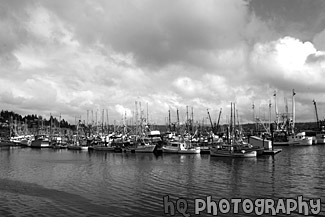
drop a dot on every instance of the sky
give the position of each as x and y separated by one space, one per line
72 56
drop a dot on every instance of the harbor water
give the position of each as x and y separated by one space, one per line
48 182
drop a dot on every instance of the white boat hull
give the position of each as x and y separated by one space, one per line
303 142
196 150
181 149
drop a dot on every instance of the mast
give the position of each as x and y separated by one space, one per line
237 119
136 117
276 111
140 117
192 121
218 120
177 122
87 116
234 125
50 126
254 119
147 114
107 121
96 122
103 122
270 117
293 110
317 120
230 126
210 121
187 119
60 125
169 120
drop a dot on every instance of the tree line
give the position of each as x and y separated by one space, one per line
32 120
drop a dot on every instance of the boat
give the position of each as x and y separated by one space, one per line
300 139
40 141
320 137
144 147
77 145
229 150
24 141
179 147
283 139
171 147
6 143
187 148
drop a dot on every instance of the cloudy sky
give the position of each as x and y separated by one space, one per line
70 56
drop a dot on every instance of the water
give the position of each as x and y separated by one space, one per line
48 182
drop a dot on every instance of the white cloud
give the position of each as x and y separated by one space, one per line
73 56
123 111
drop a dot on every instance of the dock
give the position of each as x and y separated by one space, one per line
272 152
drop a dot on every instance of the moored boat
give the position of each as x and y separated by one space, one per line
40 141
178 147
235 151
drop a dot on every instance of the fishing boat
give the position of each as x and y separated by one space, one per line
22 140
320 136
40 141
171 147
229 150
187 148
178 147
5 143
300 139
144 147
78 144
234 146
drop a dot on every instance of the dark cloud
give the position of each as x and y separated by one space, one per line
77 55
315 58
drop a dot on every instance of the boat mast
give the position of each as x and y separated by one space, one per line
217 128
270 117
293 110
234 124
107 121
136 117
276 111
230 123
210 121
147 115
192 121
169 121
230 130
317 120
187 119
177 122
102 122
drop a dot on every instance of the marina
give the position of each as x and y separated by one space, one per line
162 108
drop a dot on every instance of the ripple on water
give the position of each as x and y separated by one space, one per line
65 183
